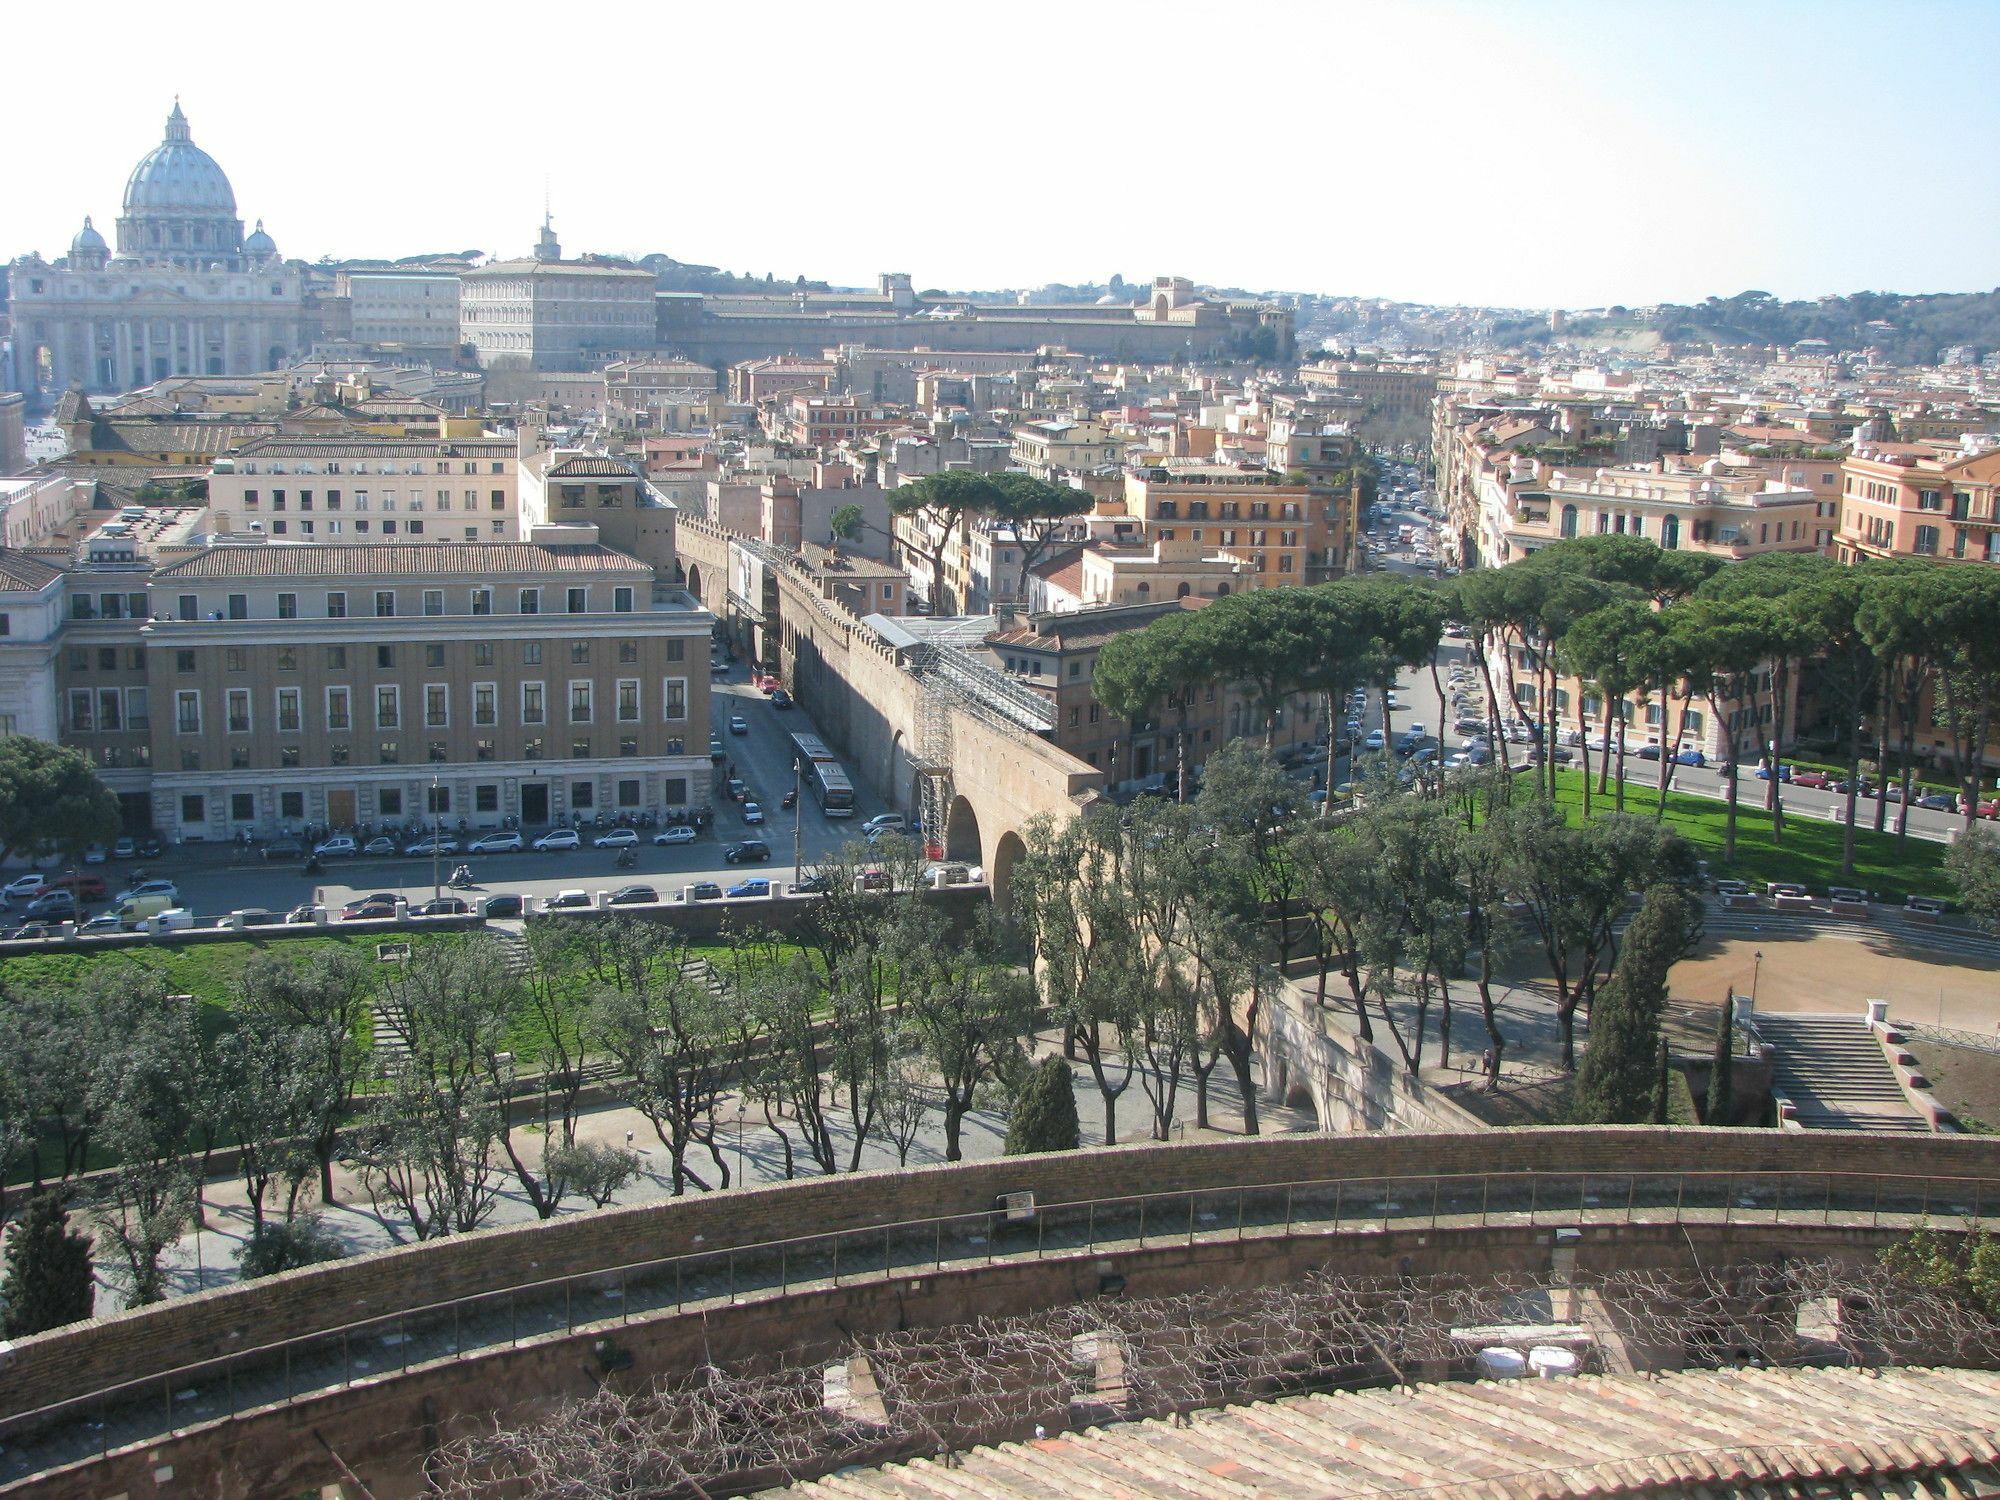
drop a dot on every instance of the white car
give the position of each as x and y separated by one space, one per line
679 834
1374 740
147 888
25 888
95 854
560 838
617 838
495 843
752 813
882 821
340 843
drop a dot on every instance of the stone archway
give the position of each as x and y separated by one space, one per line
1000 877
961 833
694 581
904 788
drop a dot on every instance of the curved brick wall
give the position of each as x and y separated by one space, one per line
70 1362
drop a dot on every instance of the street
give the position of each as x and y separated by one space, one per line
216 880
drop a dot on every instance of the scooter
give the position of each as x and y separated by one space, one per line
627 858
314 867
461 878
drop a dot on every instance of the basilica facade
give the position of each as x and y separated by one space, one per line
185 292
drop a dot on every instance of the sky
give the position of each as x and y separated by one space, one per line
1520 153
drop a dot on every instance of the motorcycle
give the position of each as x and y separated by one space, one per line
627 858
461 878
314 867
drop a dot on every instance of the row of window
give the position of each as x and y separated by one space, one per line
1227 510
437 800
576 601
484 654
466 466
252 500
533 705
390 753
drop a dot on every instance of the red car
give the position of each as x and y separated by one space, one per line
83 887
1817 779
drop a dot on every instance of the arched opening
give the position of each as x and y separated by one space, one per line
694 581
1569 520
1222 591
905 792
1182 592
961 833
1000 879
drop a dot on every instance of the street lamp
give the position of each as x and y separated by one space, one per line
798 822
437 831
1756 968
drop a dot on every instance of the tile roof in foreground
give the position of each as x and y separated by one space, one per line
333 560
1778 1433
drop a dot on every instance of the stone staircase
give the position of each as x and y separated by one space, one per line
1832 1069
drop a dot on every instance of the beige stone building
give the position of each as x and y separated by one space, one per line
353 488
276 684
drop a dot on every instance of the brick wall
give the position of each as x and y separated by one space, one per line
71 1362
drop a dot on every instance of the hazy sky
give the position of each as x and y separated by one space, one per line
1520 152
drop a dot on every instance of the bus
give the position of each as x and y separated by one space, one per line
820 771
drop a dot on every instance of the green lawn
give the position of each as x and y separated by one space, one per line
1809 853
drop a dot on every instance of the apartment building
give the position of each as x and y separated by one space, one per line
259 685
1054 449
808 420
547 313
1922 500
757 380
1252 514
1712 508
353 488
406 307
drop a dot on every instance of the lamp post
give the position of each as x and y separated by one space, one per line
1756 968
798 821
739 1140
437 832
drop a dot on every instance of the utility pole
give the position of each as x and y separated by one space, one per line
798 829
437 832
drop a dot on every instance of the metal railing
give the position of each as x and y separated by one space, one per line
146 1408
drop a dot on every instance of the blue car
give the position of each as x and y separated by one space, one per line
1691 758
756 887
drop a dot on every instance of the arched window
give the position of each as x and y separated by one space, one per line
1182 592
1670 532
1569 520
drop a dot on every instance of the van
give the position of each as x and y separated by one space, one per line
173 919
134 910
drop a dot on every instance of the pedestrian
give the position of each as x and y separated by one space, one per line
1486 1062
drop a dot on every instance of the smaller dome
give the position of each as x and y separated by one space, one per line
88 239
259 243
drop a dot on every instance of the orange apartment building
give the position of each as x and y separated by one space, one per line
1921 500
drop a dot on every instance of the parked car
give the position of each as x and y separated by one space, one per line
715 751
704 890
29 931
83 887
752 813
365 908
883 821
1764 771
173 919
505 904
125 847
567 901
495 843
99 925
95 854
443 906
558 838
1938 801
53 905
1818 780
339 843
746 851
255 916
432 843
781 699
24 887
811 885
756 887
1691 757
1374 741
617 838
738 724
303 914
634 895
146 888
380 846
681 833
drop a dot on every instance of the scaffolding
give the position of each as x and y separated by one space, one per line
949 680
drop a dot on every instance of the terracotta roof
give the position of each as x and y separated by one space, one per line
1778 1433
19 571
589 466
392 559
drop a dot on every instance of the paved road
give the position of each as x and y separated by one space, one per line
214 881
